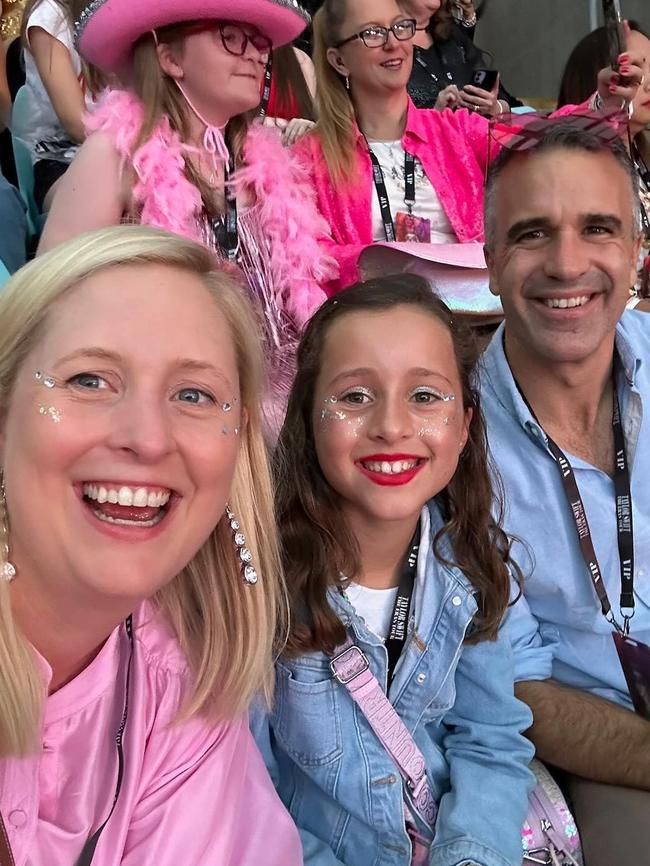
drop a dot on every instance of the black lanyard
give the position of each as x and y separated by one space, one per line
382 194
423 63
402 607
623 520
224 228
88 852
262 111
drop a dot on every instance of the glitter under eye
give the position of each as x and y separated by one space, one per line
51 412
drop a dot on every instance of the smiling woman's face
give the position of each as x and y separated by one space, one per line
121 437
379 69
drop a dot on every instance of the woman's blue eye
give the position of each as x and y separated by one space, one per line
194 396
91 381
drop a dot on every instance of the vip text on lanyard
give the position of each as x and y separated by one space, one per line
382 194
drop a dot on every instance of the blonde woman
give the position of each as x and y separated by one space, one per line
139 583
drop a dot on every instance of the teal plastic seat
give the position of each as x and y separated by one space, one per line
4 274
24 164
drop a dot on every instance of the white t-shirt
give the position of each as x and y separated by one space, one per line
376 605
390 155
40 122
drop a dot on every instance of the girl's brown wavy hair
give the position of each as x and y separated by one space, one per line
317 545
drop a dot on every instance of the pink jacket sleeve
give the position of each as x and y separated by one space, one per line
207 799
335 211
475 128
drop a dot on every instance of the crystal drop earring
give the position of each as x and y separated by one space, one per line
249 573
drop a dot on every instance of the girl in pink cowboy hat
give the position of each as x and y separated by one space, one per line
178 148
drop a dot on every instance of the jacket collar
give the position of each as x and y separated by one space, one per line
415 127
495 374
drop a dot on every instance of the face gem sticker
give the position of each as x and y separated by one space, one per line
50 412
47 381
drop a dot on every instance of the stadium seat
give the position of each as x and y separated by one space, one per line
24 164
4 274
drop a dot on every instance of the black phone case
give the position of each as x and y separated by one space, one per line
488 78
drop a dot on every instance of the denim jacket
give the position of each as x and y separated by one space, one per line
339 783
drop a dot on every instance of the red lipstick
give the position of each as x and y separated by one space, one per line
385 479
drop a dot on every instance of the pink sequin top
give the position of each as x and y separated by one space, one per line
193 793
452 147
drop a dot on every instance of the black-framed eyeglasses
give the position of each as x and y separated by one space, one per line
377 36
234 38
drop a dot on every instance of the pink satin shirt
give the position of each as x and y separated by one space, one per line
195 793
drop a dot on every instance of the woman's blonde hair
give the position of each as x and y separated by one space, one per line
336 124
225 627
161 97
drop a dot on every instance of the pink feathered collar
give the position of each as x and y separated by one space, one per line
284 202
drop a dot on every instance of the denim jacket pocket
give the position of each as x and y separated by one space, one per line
307 720
441 702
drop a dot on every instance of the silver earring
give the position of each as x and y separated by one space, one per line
245 556
7 569
347 82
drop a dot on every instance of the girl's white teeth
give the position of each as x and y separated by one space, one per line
387 468
563 303
137 497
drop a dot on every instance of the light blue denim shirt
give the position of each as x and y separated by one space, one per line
339 783
558 629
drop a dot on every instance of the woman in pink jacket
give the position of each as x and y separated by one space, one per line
363 52
139 584
383 169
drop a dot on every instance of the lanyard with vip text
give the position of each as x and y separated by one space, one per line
623 522
382 194
402 607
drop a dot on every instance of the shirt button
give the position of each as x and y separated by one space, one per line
641 572
421 678
17 818
456 601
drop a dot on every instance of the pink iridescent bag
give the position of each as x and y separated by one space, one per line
549 835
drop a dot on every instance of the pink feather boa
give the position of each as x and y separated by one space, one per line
284 201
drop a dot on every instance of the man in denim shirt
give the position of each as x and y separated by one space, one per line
562 242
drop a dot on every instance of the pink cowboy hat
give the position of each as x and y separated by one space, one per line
107 29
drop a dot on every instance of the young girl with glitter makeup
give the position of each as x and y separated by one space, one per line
399 579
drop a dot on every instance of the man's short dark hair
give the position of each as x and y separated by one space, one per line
561 134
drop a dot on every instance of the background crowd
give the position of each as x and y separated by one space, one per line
324 523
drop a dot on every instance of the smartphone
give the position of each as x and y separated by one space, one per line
615 31
485 78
